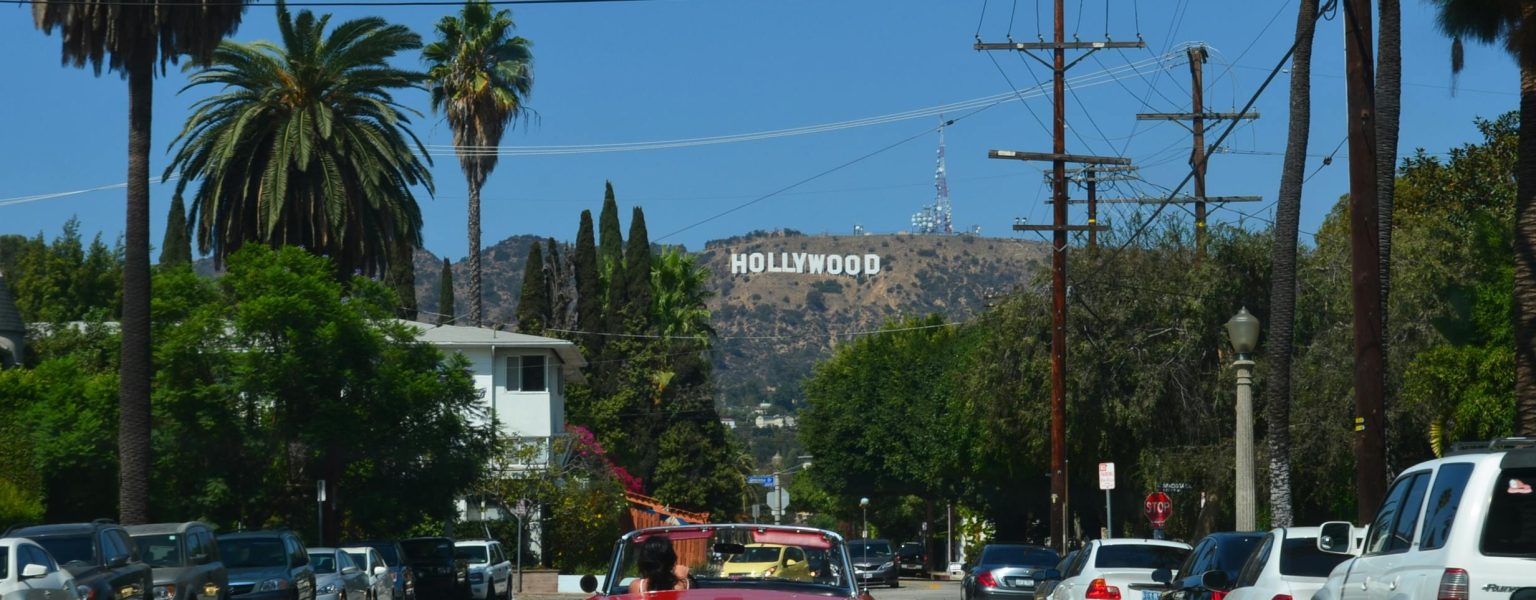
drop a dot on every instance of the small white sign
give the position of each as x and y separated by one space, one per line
1107 476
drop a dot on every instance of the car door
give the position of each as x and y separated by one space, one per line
1388 540
1071 582
51 586
503 569
117 556
1248 577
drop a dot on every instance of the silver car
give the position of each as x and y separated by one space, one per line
381 581
336 576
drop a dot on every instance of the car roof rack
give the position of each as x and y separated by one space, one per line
1494 445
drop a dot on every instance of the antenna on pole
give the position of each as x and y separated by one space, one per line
946 219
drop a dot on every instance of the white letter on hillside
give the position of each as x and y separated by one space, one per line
738 263
817 260
851 264
799 262
835 264
755 262
871 264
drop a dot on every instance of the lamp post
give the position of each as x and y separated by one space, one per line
1243 332
864 506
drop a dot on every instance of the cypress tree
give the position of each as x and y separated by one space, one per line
589 289
610 249
637 270
176 249
533 301
554 278
402 277
445 296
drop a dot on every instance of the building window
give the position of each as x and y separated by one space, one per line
525 373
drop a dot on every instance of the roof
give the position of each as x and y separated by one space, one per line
162 528
459 336
10 317
53 530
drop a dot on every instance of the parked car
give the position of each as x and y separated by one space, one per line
267 565
381 583
914 559
400 573
440 574
1287 566
767 560
1115 568
703 550
28 572
99 555
1043 587
336 576
1209 570
1006 571
490 571
184 560
874 561
1460 527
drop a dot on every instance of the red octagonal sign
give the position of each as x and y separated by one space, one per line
1158 508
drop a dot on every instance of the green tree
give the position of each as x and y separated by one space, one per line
637 274
133 39
533 302
62 279
446 312
558 278
401 277
480 77
304 145
610 260
589 289
680 308
176 249
1509 23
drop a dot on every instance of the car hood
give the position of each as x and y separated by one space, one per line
324 579
168 574
870 559
257 574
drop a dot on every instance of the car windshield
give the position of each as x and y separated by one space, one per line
68 550
857 549
758 557
1510 529
252 552
1019 555
5 562
325 562
428 549
1139 556
1300 557
358 558
160 550
911 549
476 555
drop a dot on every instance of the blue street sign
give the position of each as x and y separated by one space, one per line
767 481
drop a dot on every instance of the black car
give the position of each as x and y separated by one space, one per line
1211 566
914 559
1006 571
874 561
440 574
394 556
185 560
267 565
103 560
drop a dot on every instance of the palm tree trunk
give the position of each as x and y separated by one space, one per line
1282 291
1525 240
1389 91
476 302
133 383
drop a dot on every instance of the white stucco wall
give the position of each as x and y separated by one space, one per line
520 414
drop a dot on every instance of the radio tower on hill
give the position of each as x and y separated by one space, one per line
937 218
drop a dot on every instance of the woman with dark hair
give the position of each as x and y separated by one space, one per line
658 567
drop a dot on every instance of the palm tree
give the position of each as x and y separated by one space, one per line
481 76
679 296
131 37
304 145
1508 22
1282 292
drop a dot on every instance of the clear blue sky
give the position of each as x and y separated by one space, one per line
673 69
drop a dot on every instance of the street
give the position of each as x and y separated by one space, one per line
919 589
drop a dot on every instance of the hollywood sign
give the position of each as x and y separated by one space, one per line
800 262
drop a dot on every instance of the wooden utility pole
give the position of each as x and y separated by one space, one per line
1365 262
1089 177
1197 117
1059 228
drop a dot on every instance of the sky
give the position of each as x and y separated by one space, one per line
668 70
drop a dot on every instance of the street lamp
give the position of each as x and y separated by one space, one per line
864 506
1243 332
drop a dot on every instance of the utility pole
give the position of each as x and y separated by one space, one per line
1089 177
1365 262
1197 117
1059 228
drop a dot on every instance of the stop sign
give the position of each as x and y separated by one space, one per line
1158 508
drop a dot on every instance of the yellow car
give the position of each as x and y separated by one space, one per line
768 560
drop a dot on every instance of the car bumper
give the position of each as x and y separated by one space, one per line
270 595
438 587
880 575
986 593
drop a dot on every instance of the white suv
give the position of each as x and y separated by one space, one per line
1462 527
1115 569
490 573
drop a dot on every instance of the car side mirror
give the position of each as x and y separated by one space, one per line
1335 537
1043 575
1215 580
1163 576
791 562
199 559
33 571
380 570
117 561
350 570
588 583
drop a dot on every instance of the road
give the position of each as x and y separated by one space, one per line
918 589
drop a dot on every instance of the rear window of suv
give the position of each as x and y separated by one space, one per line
1300 557
1511 526
1139 556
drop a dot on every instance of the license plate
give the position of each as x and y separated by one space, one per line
1148 595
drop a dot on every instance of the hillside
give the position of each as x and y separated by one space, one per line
774 326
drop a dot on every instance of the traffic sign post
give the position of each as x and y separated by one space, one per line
767 481
1107 483
1158 509
777 500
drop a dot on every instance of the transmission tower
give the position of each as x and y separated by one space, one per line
946 221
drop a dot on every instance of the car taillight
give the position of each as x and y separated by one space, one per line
985 579
1218 595
1281 597
1098 590
1454 584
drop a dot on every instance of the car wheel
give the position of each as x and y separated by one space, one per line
490 587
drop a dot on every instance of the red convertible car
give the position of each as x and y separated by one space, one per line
736 561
